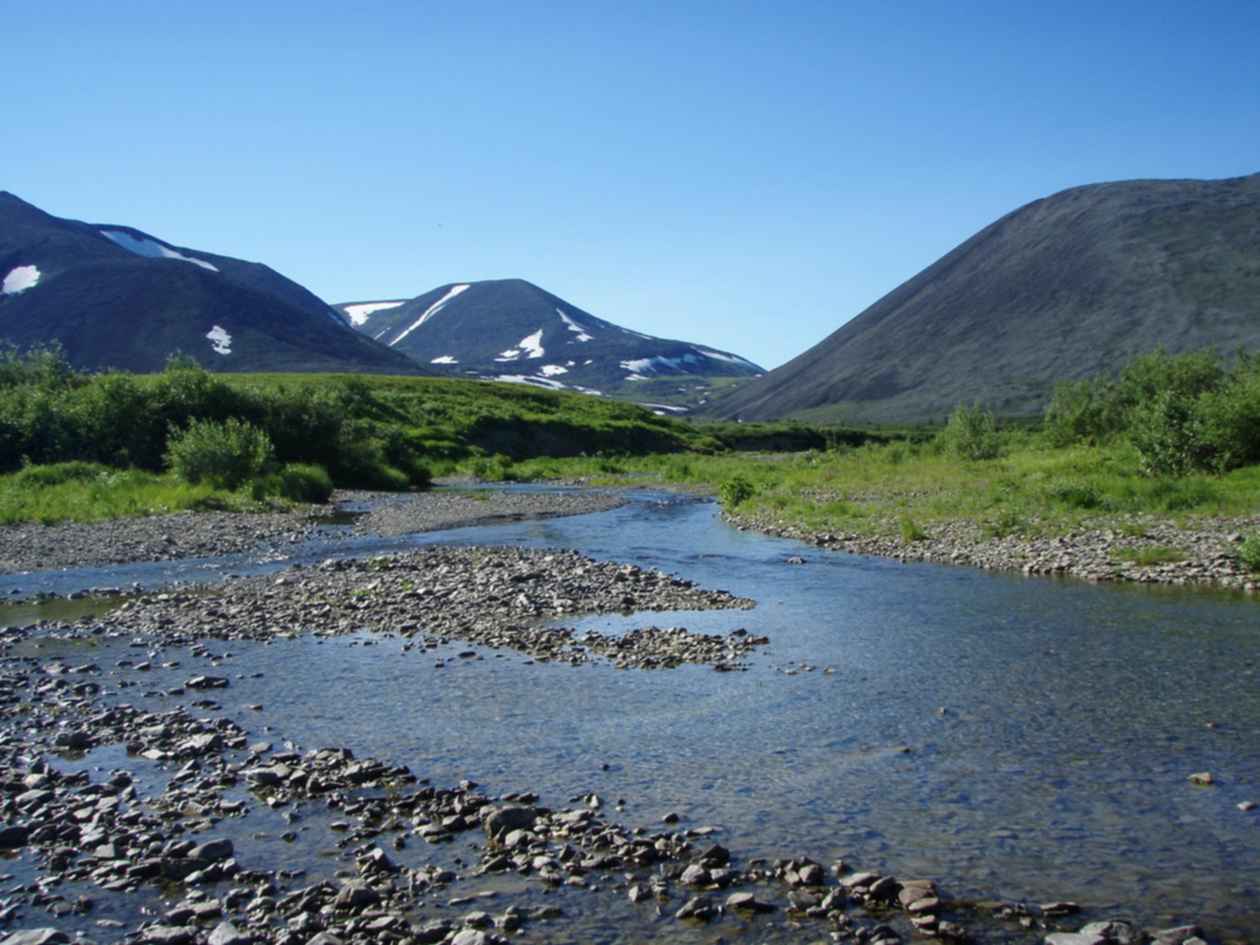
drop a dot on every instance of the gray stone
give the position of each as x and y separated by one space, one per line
225 933
12 838
213 851
168 935
1115 930
1074 938
499 821
37 937
1177 935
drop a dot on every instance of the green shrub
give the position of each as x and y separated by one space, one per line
305 482
1169 435
496 468
1076 495
910 532
1149 555
226 455
58 473
971 434
735 491
1249 552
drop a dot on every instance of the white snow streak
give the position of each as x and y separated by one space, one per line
659 408
658 363
530 346
358 314
573 326
430 312
445 359
20 279
721 357
220 340
143 246
535 381
551 370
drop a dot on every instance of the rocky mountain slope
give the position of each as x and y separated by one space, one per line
114 296
1067 286
511 330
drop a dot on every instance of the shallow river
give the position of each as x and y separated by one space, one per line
1050 726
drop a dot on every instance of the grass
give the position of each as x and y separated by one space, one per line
1030 490
103 494
1150 555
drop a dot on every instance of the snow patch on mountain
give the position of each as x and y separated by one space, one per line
719 356
20 279
658 363
445 359
358 314
431 311
530 346
574 327
220 340
551 370
143 246
529 379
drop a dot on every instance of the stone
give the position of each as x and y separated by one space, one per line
1177 935
747 902
207 682
44 936
13 838
1243 806
695 875
499 821
356 896
1074 938
225 933
168 935
212 851
1202 778
1115 930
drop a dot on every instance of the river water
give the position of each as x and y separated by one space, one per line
1009 737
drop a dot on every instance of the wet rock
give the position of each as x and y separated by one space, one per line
747 902
1176 935
698 907
225 933
14 837
1202 778
1117 931
168 935
45 936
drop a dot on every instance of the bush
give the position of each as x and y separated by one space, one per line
305 482
1249 552
1170 436
226 455
735 491
59 473
909 530
971 434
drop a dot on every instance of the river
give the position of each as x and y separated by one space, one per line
1009 737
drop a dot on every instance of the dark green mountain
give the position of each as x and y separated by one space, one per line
510 329
1068 286
116 297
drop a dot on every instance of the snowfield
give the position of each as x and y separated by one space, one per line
20 279
530 346
573 327
431 311
445 359
143 246
551 370
220 340
358 314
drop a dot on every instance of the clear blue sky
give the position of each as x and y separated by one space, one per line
749 175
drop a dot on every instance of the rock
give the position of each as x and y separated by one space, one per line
1115 930
324 938
212 851
207 682
695 875
168 935
698 907
225 933
356 896
472 937
1203 778
1074 938
44 936
747 902
1059 908
1243 806
1177 935
499 821
13 838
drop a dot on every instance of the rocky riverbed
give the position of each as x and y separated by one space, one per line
499 598
1206 551
157 847
35 547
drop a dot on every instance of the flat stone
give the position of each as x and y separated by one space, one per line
225 933
1177 935
12 838
44 936
168 935
1202 778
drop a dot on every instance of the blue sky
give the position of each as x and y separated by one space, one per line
747 175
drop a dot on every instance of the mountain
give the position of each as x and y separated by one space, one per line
1068 286
114 296
511 330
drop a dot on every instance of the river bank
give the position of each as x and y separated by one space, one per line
34 547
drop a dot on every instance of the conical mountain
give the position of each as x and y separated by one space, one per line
510 329
1068 286
114 296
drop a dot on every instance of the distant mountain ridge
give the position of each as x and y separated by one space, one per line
114 296
510 329
1067 286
